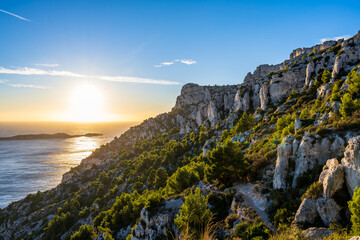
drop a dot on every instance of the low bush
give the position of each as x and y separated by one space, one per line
314 191
252 230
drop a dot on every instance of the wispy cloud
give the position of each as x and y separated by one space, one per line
20 85
14 15
56 73
185 61
36 71
27 86
335 38
49 65
165 64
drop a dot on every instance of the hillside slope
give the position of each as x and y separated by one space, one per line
280 149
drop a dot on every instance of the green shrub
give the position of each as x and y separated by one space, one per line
353 80
153 201
252 230
283 122
285 125
245 123
194 214
325 77
160 178
305 113
226 164
348 105
354 207
202 135
293 94
86 232
335 95
58 225
185 177
282 216
314 191
270 74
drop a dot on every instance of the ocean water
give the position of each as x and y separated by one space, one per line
28 166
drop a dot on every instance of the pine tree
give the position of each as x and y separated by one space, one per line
353 80
354 207
160 178
194 215
348 105
325 77
226 164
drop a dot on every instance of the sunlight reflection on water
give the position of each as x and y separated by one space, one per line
28 166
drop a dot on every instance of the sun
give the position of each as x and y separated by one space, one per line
86 104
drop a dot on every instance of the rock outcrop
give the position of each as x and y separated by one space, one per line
311 151
351 163
316 233
332 177
263 93
328 210
285 154
156 226
306 213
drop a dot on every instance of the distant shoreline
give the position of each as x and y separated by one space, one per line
48 136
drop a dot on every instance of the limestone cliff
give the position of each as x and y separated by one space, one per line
280 163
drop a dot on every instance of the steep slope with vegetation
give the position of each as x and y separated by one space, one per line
254 160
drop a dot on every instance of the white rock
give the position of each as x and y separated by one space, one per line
332 177
351 163
285 152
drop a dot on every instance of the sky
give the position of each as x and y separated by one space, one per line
119 60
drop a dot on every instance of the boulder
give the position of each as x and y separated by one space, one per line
306 213
351 163
328 210
332 177
316 233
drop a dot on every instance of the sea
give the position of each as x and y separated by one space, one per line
28 166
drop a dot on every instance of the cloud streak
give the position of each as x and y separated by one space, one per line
27 86
14 15
335 38
49 65
20 85
55 73
184 61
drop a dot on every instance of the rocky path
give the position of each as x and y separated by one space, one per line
254 200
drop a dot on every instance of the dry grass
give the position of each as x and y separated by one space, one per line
288 233
208 233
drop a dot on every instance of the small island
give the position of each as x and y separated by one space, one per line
48 136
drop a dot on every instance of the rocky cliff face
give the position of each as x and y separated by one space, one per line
278 165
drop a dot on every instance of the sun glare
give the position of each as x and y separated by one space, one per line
86 104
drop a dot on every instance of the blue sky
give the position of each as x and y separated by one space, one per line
104 42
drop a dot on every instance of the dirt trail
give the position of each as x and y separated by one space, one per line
256 201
